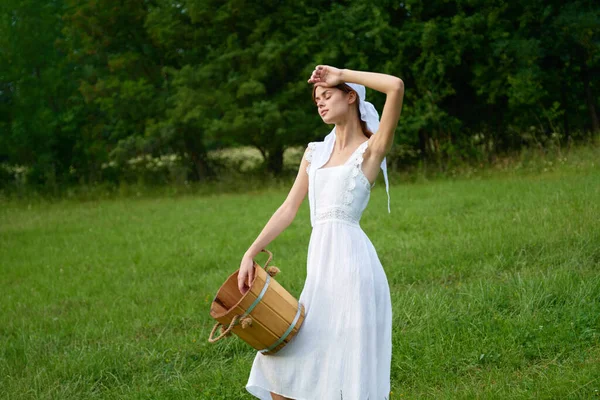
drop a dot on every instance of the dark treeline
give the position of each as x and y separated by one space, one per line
86 84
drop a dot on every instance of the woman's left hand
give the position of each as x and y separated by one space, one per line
325 75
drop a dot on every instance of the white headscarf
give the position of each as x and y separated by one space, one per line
369 114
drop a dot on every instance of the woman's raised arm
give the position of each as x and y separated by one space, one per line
393 87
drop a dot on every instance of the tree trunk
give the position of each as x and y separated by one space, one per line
275 160
201 168
198 155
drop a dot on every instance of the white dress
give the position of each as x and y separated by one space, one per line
343 348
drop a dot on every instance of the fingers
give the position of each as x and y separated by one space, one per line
314 78
241 281
245 279
317 74
250 277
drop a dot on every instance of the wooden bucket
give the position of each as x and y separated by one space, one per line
267 316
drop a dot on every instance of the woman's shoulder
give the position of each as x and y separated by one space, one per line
316 144
311 149
312 146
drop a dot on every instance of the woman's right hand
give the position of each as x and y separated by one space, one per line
326 75
246 274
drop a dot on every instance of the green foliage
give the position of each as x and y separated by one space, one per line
88 82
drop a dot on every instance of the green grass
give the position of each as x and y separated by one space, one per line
495 286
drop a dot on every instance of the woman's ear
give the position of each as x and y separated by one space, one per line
351 97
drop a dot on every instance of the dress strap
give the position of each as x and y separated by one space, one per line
358 159
309 154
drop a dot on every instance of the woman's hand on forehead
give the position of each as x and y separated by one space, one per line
325 75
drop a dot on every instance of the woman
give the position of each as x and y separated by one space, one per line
344 346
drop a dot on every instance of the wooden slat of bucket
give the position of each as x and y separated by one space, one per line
216 308
252 339
226 319
285 296
277 323
258 335
281 303
230 296
290 337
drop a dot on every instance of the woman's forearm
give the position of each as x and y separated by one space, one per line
381 82
280 220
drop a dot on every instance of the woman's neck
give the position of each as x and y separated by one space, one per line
348 134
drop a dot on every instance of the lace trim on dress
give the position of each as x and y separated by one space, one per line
309 154
351 179
336 213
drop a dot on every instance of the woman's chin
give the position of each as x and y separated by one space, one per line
327 120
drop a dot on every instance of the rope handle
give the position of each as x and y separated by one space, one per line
270 257
272 270
245 322
223 333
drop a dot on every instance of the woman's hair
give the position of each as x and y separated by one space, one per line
347 89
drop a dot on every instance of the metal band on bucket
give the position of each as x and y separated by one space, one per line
286 333
258 299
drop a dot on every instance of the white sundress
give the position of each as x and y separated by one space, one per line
343 348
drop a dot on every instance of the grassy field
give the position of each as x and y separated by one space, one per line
495 284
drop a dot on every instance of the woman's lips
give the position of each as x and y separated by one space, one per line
324 112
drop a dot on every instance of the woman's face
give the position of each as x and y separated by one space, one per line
332 103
